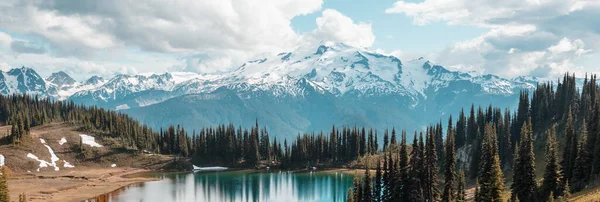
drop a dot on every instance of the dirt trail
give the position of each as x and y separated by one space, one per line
76 185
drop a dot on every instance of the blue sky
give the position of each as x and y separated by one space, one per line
393 32
509 38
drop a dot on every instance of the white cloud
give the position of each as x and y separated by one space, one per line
5 40
102 37
89 33
536 37
334 26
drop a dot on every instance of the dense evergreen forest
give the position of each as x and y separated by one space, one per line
557 118
483 145
222 145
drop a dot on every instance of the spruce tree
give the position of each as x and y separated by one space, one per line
566 193
449 166
367 194
403 182
460 193
4 194
357 188
385 140
569 150
377 187
431 169
350 196
552 174
416 191
582 162
491 179
393 138
461 129
524 184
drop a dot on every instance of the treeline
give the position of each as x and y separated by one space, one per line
221 145
227 145
499 140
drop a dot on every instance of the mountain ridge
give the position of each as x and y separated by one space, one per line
316 87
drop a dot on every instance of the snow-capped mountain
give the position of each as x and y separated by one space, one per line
310 88
22 80
60 79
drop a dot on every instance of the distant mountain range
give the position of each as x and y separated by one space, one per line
308 89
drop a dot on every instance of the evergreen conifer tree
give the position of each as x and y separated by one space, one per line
491 179
552 174
524 184
449 166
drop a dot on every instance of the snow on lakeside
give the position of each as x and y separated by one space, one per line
89 140
62 141
1 160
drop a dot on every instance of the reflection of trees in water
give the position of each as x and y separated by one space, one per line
239 186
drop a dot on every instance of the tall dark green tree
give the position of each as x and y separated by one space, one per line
403 183
461 187
416 169
582 162
430 189
461 129
570 148
552 174
367 193
4 194
449 166
377 187
524 185
491 178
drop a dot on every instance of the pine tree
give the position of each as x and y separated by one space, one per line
416 191
461 129
582 162
367 195
569 151
471 126
431 169
566 194
385 140
4 194
377 187
403 183
449 166
524 184
491 179
552 174
460 193
393 138
350 196
357 188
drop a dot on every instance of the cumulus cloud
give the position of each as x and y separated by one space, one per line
531 37
5 40
21 46
158 25
201 36
334 26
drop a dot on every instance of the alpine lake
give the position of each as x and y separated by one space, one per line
242 186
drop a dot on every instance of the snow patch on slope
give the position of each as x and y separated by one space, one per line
62 141
89 140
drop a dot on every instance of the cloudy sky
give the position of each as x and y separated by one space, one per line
508 38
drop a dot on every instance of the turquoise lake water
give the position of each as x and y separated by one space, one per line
239 186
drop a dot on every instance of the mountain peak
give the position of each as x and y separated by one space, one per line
61 79
94 80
